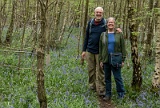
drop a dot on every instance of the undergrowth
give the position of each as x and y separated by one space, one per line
66 82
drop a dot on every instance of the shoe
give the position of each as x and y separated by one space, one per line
107 98
121 97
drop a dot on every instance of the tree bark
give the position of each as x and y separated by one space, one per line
148 41
133 26
41 55
84 26
11 26
156 75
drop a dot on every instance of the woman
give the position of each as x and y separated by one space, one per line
112 41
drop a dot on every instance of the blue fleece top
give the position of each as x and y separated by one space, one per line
91 42
111 41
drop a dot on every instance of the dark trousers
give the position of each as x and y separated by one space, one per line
117 77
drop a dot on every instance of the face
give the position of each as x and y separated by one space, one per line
111 24
98 14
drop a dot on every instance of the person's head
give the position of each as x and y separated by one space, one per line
111 23
98 12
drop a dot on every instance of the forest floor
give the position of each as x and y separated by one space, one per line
104 104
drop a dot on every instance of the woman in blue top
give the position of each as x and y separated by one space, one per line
112 42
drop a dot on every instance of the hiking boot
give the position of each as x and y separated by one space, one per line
121 97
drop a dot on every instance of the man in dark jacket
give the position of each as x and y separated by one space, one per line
91 51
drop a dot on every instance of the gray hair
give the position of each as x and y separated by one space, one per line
111 18
98 8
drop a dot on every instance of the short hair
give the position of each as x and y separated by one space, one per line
97 8
111 18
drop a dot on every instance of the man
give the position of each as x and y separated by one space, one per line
91 50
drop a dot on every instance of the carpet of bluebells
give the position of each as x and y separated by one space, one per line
66 82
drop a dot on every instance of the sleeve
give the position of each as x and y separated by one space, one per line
123 47
100 49
86 38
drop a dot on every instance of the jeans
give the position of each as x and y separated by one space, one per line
117 77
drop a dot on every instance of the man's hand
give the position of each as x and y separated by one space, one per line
101 65
122 64
83 55
119 30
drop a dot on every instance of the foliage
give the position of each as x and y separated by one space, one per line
143 99
65 80
66 83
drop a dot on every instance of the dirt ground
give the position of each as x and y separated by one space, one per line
104 104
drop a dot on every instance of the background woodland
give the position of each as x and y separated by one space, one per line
40 48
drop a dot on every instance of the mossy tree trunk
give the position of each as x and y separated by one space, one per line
41 55
0 29
84 26
149 23
85 20
11 26
156 75
133 26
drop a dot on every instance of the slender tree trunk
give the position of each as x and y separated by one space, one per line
133 26
84 26
81 26
11 26
85 19
156 75
0 28
41 54
25 19
149 23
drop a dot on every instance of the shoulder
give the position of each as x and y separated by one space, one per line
91 20
103 34
118 34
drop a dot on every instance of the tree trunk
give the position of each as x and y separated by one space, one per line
133 26
85 19
156 75
41 54
84 26
148 49
0 29
11 26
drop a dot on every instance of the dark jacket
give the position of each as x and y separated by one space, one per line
118 47
91 42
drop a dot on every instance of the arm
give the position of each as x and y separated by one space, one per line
100 52
100 48
123 49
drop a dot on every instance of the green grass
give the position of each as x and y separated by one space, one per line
66 83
